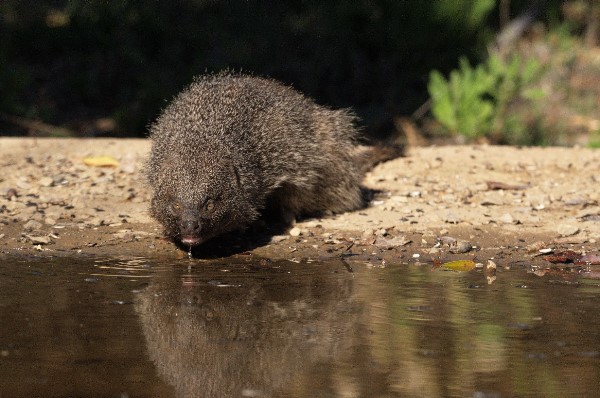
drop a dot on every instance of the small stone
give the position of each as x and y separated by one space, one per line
490 202
447 240
490 265
59 179
460 246
399 199
10 193
381 232
537 201
128 163
23 185
32 225
490 272
295 232
39 240
279 238
125 235
536 246
96 222
452 218
393 242
312 224
589 214
506 218
576 201
567 229
368 233
46 181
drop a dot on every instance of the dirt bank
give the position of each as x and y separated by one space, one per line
499 199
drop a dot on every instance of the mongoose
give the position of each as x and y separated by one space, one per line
232 146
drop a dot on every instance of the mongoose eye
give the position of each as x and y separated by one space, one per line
210 205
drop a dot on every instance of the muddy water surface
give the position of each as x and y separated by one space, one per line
144 328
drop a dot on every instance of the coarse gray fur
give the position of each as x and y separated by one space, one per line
229 146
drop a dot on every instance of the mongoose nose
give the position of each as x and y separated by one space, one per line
190 227
190 232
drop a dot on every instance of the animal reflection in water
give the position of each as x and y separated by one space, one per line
258 337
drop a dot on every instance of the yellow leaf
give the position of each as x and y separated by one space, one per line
101 161
460 265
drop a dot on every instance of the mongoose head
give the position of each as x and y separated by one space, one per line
196 201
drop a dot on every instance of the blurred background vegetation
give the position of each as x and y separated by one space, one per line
500 71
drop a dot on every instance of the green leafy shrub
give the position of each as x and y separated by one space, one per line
474 101
594 141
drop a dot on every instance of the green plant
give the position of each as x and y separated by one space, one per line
594 140
460 103
474 101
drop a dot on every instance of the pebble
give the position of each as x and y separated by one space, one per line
393 242
32 225
23 185
46 181
59 179
125 235
447 240
279 238
128 163
492 201
10 193
506 218
295 232
399 199
567 229
381 232
452 218
490 272
312 224
460 246
536 246
39 240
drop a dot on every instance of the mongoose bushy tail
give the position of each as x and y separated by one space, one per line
230 145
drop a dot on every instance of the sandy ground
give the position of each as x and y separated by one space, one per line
455 202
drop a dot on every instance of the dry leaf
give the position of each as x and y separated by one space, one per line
101 161
459 265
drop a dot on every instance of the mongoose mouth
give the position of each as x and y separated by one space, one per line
191 240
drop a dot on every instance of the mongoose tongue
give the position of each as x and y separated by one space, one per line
191 240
